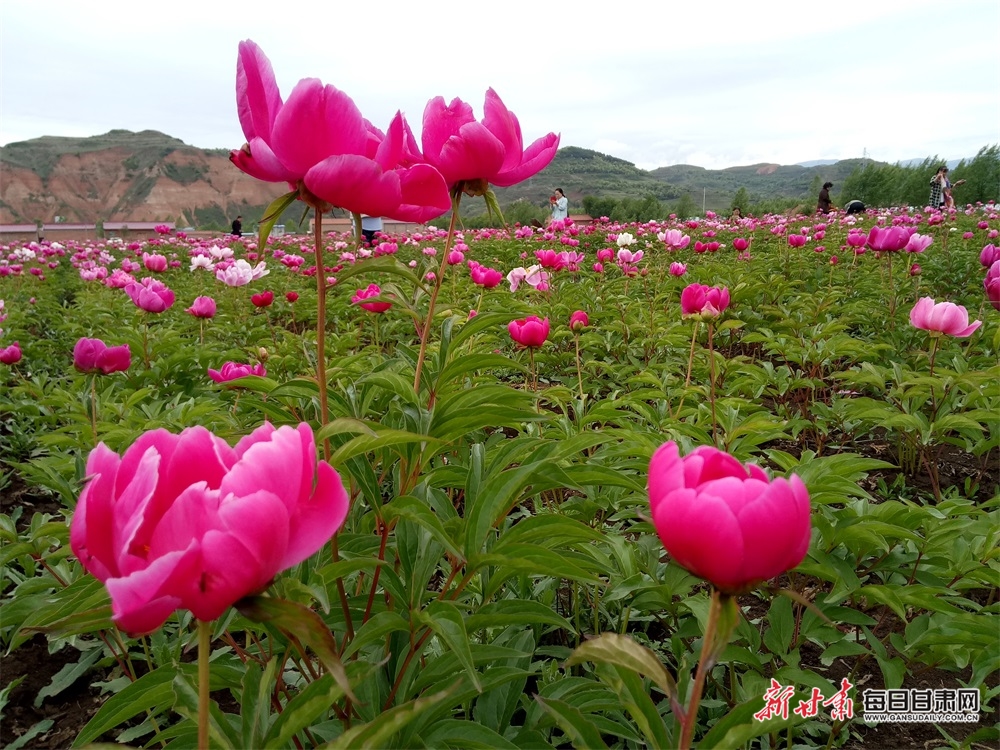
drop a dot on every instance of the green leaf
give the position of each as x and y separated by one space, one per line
375 630
465 734
385 264
640 706
304 624
40 728
255 702
778 637
574 724
153 692
739 726
219 726
515 612
413 509
303 710
68 675
447 622
271 215
621 651
376 733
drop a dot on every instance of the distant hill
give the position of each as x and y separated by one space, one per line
150 176
125 176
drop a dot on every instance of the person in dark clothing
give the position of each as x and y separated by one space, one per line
824 204
854 207
238 226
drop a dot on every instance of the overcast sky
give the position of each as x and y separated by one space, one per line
715 84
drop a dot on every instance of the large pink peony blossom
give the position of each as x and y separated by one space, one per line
476 154
188 522
725 522
320 144
942 318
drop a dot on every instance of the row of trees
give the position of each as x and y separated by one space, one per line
876 184
882 185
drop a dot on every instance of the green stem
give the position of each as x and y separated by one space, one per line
324 409
687 380
711 385
204 651
93 407
579 372
456 198
704 663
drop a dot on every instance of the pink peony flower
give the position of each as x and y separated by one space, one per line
530 332
989 255
481 154
203 307
578 321
264 299
992 284
291 296
918 243
942 318
888 239
725 522
235 371
319 142
93 355
154 262
11 355
675 239
487 278
678 269
373 290
188 522
150 295
241 273
701 301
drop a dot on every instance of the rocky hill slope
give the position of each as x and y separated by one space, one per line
124 176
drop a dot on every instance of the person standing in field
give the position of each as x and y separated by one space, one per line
238 226
824 204
560 205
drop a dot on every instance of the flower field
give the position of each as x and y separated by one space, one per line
519 522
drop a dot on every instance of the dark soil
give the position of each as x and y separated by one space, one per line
69 711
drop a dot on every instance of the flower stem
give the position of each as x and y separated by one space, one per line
324 410
579 372
687 380
456 198
711 385
704 664
93 407
204 651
